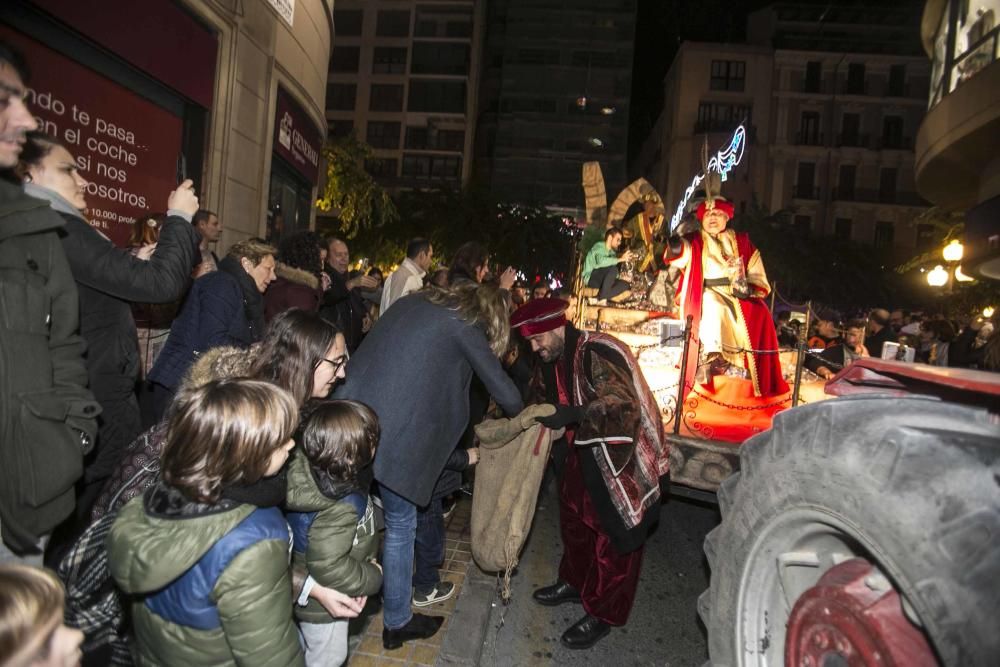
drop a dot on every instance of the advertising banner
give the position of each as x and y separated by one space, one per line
126 147
296 138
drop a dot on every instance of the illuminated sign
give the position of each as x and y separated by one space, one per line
722 163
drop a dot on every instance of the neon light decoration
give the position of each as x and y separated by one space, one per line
722 163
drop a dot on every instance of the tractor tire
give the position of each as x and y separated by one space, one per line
911 484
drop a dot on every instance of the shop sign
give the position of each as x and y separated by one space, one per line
285 9
296 138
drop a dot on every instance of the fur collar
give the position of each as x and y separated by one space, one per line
298 276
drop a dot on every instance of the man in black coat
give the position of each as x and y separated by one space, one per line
414 370
879 332
830 361
342 303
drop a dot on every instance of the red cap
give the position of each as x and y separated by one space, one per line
720 205
539 315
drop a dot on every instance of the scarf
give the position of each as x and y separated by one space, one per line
55 200
166 502
253 300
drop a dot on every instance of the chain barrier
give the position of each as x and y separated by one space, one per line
745 408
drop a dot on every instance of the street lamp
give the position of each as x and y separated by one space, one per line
953 251
988 311
937 277
961 277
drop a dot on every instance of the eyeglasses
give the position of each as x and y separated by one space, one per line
337 363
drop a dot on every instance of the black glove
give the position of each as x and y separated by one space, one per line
564 416
675 246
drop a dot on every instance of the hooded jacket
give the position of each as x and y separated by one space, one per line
293 288
335 536
44 403
164 550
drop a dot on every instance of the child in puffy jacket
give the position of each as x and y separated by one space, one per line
332 517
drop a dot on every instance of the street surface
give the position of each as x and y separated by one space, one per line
663 629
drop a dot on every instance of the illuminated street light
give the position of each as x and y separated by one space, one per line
595 142
961 277
953 251
607 111
937 277
581 102
988 311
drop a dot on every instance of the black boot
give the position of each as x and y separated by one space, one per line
585 633
419 627
556 594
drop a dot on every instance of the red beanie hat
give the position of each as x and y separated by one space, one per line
539 315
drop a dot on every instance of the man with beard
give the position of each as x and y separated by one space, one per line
609 462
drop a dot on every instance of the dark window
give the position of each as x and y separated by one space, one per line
389 60
445 167
721 117
417 166
884 234
897 81
341 96
842 229
887 185
428 138
454 22
384 167
440 58
814 70
804 188
892 132
925 237
850 129
458 28
728 75
341 128
393 23
802 224
382 134
416 137
436 96
347 22
345 59
386 97
845 185
856 79
809 134
451 140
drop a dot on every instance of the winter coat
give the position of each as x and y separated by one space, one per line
345 308
109 279
224 308
294 288
335 538
168 554
414 370
44 403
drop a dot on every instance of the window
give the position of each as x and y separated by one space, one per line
728 75
451 140
386 97
721 117
845 185
393 23
814 70
925 237
341 96
345 59
802 225
804 188
389 60
454 22
440 58
855 79
341 128
436 96
416 137
850 129
347 22
382 134
382 167
887 185
842 229
441 167
809 134
897 81
892 132
884 234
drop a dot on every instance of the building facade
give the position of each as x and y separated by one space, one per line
556 81
832 99
403 77
230 94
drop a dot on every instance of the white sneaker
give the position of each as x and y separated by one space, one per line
442 591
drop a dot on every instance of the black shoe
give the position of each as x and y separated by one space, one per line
419 627
556 594
585 633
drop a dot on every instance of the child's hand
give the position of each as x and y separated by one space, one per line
473 455
338 604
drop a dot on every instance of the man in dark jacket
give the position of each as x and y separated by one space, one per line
610 462
47 416
413 370
830 361
879 332
342 302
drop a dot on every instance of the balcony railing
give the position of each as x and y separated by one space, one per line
809 138
854 140
806 192
894 143
877 196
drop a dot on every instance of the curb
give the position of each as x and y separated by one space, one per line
463 643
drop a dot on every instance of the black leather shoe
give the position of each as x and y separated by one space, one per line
585 633
556 594
419 627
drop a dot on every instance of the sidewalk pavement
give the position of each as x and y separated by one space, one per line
466 612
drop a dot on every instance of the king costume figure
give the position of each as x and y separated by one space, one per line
609 462
723 288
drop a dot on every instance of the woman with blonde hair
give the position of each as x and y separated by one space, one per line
414 369
32 633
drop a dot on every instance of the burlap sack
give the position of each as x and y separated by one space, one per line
512 457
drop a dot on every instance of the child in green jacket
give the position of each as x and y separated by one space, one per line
332 517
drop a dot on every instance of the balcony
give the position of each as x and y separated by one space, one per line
809 139
894 144
803 191
875 196
853 140
724 127
849 88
